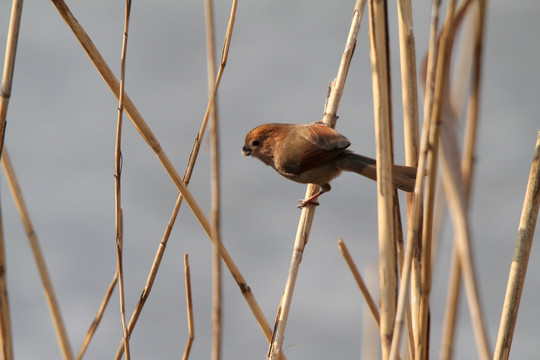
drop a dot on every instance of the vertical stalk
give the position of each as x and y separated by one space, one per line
379 53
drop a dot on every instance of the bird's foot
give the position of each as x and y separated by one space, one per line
306 202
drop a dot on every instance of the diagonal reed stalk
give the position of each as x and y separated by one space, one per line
522 250
467 164
118 171
60 328
361 284
306 218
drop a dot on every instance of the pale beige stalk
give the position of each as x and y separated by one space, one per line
522 250
60 328
117 176
308 212
378 31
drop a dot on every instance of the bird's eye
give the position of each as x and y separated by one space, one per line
255 143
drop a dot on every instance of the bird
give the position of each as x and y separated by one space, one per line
315 153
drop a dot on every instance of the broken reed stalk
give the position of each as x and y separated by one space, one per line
5 94
91 331
359 281
61 333
520 260
118 171
416 213
467 166
215 184
378 36
308 212
189 306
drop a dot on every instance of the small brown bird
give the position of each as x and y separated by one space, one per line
315 153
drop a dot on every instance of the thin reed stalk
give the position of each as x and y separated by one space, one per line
407 53
118 171
308 212
5 94
93 327
189 306
467 167
215 211
56 315
380 65
520 260
416 213
361 284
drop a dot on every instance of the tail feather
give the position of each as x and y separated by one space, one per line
404 177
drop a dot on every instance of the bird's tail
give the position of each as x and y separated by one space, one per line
404 177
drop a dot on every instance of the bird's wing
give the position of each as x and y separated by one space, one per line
326 143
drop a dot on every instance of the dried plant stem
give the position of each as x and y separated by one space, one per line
522 250
215 185
9 65
407 52
363 288
189 306
118 171
97 319
61 333
385 191
467 166
5 94
302 236
415 231
306 218
332 103
131 111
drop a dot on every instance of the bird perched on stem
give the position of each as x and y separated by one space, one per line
315 153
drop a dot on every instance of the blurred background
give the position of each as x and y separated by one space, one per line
61 134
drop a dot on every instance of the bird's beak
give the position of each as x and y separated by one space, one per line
246 151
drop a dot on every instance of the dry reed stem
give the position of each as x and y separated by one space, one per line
407 52
416 212
189 306
61 333
5 94
378 36
306 217
359 281
467 163
455 190
6 338
215 185
520 260
118 171
131 111
9 65
91 331
439 97
334 96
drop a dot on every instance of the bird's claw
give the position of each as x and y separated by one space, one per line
304 203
